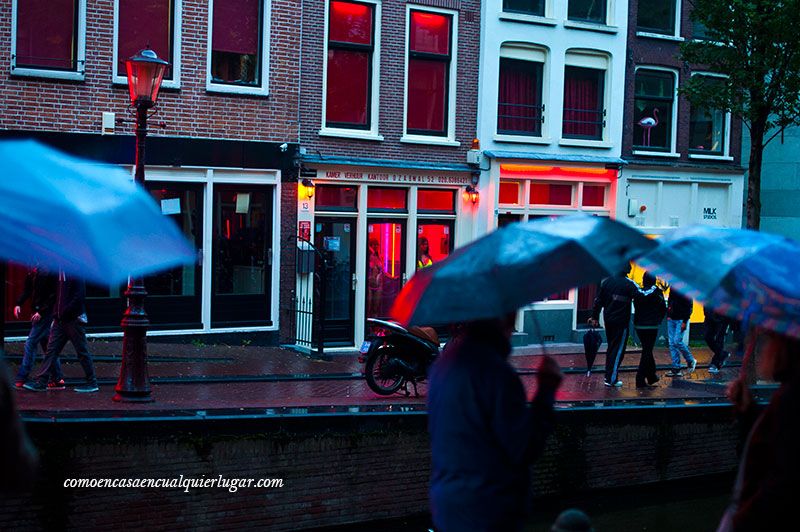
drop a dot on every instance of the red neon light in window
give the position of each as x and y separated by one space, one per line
349 9
569 172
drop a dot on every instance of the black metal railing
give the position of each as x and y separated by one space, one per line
311 268
511 115
584 123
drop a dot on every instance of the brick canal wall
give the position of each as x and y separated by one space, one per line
336 469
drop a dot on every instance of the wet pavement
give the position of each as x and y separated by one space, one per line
197 380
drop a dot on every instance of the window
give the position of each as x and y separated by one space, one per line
434 242
594 196
707 127
237 58
335 198
526 7
584 115
387 199
48 38
153 23
654 99
428 75
519 100
436 201
351 36
657 16
551 194
509 192
587 11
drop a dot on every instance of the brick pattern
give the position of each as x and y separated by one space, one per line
337 470
44 104
665 53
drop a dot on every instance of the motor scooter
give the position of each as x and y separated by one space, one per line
395 356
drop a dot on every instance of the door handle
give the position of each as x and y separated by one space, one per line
353 282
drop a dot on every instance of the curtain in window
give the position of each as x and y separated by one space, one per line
428 65
582 112
143 23
236 26
46 34
519 97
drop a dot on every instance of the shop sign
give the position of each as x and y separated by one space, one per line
171 206
304 229
709 213
332 243
390 177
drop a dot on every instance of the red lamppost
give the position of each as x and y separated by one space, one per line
145 73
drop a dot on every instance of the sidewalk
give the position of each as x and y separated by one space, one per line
197 379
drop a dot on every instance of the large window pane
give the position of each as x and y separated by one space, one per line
389 198
430 33
527 7
385 245
241 261
334 197
551 194
594 195
519 101
652 113
434 242
583 103
350 51
657 16
427 93
47 34
236 42
588 10
143 23
436 201
707 126
509 192
182 206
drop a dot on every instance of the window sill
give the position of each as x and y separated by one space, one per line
48 74
586 143
236 89
661 36
357 134
166 84
422 139
528 19
671 155
589 26
521 139
710 157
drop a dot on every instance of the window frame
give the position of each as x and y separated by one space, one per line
371 131
175 61
448 136
228 88
671 151
704 154
530 54
606 15
655 33
588 59
79 74
544 14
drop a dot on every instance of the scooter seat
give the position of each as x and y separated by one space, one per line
426 333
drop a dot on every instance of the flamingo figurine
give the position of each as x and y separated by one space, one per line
647 123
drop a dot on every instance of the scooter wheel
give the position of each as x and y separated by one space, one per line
380 378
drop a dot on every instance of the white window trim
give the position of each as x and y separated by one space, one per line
225 88
587 58
590 26
726 153
175 61
75 75
676 30
586 143
674 133
450 138
521 139
373 132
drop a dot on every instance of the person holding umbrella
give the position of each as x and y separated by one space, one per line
650 308
615 297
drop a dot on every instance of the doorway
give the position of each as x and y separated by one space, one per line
335 237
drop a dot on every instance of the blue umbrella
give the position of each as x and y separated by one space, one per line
515 265
746 275
89 219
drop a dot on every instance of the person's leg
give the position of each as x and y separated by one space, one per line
674 336
77 335
617 337
684 349
710 337
29 351
646 374
56 342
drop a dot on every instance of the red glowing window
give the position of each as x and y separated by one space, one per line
509 192
428 73
594 195
236 42
551 194
47 34
434 242
335 197
142 23
391 199
350 52
436 201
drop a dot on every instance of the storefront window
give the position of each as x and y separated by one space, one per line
181 206
434 242
551 194
438 201
509 192
594 196
385 259
336 198
387 199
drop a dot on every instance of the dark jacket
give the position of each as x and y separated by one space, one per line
650 308
615 297
483 436
70 299
40 288
679 307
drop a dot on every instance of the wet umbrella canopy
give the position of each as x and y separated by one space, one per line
516 265
746 275
89 219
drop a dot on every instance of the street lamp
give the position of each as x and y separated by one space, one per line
145 73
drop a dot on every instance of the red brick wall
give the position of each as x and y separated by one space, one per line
41 104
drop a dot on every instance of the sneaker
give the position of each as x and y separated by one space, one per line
674 373
35 386
713 369
87 388
617 384
56 385
692 365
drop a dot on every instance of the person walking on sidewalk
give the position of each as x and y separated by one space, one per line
716 326
615 298
650 309
40 289
679 309
69 318
483 433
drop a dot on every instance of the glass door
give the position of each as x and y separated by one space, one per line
335 238
386 244
242 256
